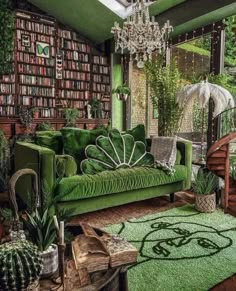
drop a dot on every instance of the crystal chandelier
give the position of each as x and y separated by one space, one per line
140 35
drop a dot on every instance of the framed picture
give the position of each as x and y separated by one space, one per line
25 40
42 49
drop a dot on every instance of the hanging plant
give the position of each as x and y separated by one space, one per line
165 83
6 37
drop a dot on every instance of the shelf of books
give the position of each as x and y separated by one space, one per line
54 68
101 83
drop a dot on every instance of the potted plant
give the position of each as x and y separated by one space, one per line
122 92
203 187
70 115
95 107
44 126
35 112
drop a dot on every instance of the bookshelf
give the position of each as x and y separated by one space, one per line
54 68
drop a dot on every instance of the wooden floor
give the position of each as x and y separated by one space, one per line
138 209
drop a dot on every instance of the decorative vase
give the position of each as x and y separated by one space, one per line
50 261
205 203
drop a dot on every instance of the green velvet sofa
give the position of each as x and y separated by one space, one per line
81 193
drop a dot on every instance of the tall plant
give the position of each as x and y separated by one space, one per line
6 37
165 82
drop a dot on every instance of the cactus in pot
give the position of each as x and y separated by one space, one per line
20 265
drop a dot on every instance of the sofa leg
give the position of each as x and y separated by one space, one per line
172 197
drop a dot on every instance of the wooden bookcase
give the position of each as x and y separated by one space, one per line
39 42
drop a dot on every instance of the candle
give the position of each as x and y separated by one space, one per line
62 232
56 222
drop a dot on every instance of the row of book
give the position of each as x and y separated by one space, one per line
34 26
48 113
76 56
37 91
101 87
7 88
7 100
101 79
74 45
36 80
36 70
32 59
36 101
105 106
7 110
32 49
7 78
63 33
72 65
27 39
101 69
100 60
77 75
69 84
83 95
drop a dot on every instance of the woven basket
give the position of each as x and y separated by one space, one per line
205 203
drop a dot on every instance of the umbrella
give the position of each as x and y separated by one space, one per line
201 93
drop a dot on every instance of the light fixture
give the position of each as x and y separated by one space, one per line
140 35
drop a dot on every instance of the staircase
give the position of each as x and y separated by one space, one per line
218 162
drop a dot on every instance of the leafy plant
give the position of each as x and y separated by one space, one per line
44 126
26 118
95 107
232 171
6 37
122 89
230 41
4 161
205 183
165 82
70 114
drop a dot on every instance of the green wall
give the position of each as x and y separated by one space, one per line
117 105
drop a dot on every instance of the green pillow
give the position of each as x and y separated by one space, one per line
65 166
76 140
118 150
138 132
50 139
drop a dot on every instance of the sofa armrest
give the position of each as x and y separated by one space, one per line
185 148
42 161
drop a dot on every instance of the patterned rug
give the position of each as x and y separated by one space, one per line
180 249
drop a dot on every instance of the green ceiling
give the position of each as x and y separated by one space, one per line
94 20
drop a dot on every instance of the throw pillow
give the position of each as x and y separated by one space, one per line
65 166
138 132
50 139
115 151
76 140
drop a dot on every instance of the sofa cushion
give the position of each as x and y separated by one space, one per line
114 152
50 139
76 139
121 180
138 132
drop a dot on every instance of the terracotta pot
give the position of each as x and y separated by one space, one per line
205 203
36 115
50 262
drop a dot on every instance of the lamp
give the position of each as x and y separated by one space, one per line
140 35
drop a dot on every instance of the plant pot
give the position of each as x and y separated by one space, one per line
36 115
50 261
122 97
205 203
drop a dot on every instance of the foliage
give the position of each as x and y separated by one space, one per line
39 223
70 114
95 107
4 161
195 49
5 214
232 171
197 118
26 119
6 37
122 89
44 126
205 183
165 82
20 265
230 41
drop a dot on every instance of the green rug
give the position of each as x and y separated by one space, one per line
180 249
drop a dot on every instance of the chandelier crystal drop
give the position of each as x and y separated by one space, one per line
141 35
